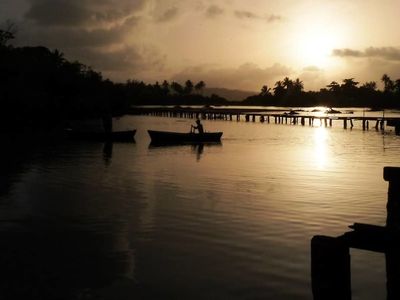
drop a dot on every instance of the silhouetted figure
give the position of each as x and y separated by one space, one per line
107 123
199 127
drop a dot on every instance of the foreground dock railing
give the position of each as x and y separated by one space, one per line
330 256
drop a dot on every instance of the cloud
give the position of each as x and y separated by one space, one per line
214 11
245 77
75 13
244 14
71 37
385 53
168 15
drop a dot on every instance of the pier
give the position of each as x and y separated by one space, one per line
330 256
275 117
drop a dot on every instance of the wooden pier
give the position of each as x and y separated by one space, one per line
330 256
264 116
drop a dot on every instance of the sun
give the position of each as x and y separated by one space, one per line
314 48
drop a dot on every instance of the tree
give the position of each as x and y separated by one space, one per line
370 86
265 91
7 34
279 89
334 87
165 87
389 84
287 83
188 87
298 86
177 88
200 86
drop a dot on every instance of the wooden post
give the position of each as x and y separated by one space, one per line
253 118
330 268
330 122
247 117
363 124
302 121
351 123
392 175
345 123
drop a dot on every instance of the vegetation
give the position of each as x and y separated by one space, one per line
348 93
40 88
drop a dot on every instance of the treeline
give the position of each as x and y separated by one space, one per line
39 87
350 93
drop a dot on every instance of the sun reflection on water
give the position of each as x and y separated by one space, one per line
320 147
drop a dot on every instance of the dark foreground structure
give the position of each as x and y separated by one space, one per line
330 257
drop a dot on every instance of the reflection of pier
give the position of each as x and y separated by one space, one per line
330 266
261 115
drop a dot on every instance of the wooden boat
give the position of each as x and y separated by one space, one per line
167 137
102 136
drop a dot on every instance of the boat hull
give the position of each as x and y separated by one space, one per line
114 136
166 137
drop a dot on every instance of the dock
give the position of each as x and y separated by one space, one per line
330 256
275 116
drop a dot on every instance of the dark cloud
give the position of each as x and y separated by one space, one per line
71 37
120 64
80 12
385 53
244 14
214 11
245 77
347 53
169 14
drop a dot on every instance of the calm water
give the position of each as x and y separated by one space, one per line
229 221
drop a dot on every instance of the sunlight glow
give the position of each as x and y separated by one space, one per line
315 48
320 147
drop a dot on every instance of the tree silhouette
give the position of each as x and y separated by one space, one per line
200 86
188 87
265 91
388 84
177 88
279 89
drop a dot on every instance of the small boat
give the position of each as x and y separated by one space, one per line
102 136
332 111
167 137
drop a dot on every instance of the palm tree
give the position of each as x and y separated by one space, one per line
389 84
279 89
165 87
334 87
188 87
370 85
298 86
200 86
265 91
287 83
177 88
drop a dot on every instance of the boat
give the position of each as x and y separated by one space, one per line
332 111
102 136
168 137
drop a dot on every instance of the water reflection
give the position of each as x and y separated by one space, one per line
107 152
197 148
320 147
61 259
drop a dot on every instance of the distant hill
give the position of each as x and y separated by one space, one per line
228 94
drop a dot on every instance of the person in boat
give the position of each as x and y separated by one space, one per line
199 127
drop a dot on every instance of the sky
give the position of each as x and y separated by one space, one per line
235 44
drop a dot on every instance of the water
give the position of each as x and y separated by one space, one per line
229 221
